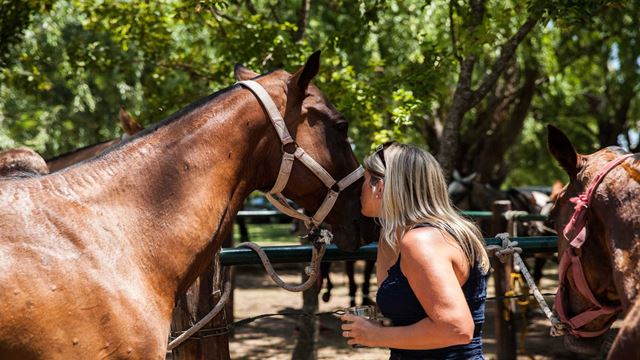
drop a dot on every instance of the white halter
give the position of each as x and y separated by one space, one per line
275 194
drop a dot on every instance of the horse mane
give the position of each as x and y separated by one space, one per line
74 151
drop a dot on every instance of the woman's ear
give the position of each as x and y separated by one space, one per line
379 189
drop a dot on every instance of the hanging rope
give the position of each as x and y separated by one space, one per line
510 248
320 238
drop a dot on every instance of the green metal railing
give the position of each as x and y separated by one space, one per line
302 253
472 214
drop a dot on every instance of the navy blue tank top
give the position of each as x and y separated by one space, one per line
397 301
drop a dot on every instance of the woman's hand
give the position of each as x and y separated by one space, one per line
359 330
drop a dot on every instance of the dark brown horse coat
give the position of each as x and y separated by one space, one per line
611 253
93 256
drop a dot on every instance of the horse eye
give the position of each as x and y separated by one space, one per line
342 126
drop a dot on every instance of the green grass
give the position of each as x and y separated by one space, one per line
267 233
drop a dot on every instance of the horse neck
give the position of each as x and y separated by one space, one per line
618 218
178 188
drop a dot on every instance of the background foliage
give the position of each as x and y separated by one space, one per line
400 69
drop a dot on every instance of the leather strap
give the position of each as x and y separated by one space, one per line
275 194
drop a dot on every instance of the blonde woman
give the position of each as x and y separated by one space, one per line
432 266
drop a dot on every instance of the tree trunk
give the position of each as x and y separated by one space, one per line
303 20
491 159
305 348
464 97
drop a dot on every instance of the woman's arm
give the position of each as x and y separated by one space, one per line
428 261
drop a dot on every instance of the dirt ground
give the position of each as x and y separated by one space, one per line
275 337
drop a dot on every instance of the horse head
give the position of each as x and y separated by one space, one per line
460 187
21 162
594 258
318 129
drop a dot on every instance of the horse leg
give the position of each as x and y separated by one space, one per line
625 346
325 269
350 267
242 226
539 263
369 265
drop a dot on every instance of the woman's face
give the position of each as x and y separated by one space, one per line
371 196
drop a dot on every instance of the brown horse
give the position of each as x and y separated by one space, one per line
21 162
600 274
92 257
130 127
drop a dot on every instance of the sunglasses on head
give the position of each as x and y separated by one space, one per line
380 151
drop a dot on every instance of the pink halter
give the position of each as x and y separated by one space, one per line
576 232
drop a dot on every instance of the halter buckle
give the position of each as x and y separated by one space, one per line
292 142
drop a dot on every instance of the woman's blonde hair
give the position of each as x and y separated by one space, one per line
415 192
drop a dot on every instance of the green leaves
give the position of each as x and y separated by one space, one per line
388 65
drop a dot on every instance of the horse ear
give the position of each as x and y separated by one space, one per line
556 189
561 149
127 122
242 73
469 178
302 77
456 175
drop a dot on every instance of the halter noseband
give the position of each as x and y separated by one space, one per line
576 232
275 194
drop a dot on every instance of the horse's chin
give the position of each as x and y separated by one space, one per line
345 238
359 232
583 346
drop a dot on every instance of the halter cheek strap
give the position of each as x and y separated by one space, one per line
275 194
576 232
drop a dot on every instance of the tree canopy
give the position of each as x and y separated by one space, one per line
474 81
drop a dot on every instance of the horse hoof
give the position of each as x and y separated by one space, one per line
326 296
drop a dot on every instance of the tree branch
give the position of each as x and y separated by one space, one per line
508 49
189 69
250 7
452 32
274 12
303 20
220 26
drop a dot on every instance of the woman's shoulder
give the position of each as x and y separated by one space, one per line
422 239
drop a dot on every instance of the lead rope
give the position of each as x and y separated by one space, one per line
510 248
197 326
319 238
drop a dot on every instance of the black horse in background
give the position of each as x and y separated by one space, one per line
369 266
468 194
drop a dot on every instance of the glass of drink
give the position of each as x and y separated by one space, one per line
365 311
